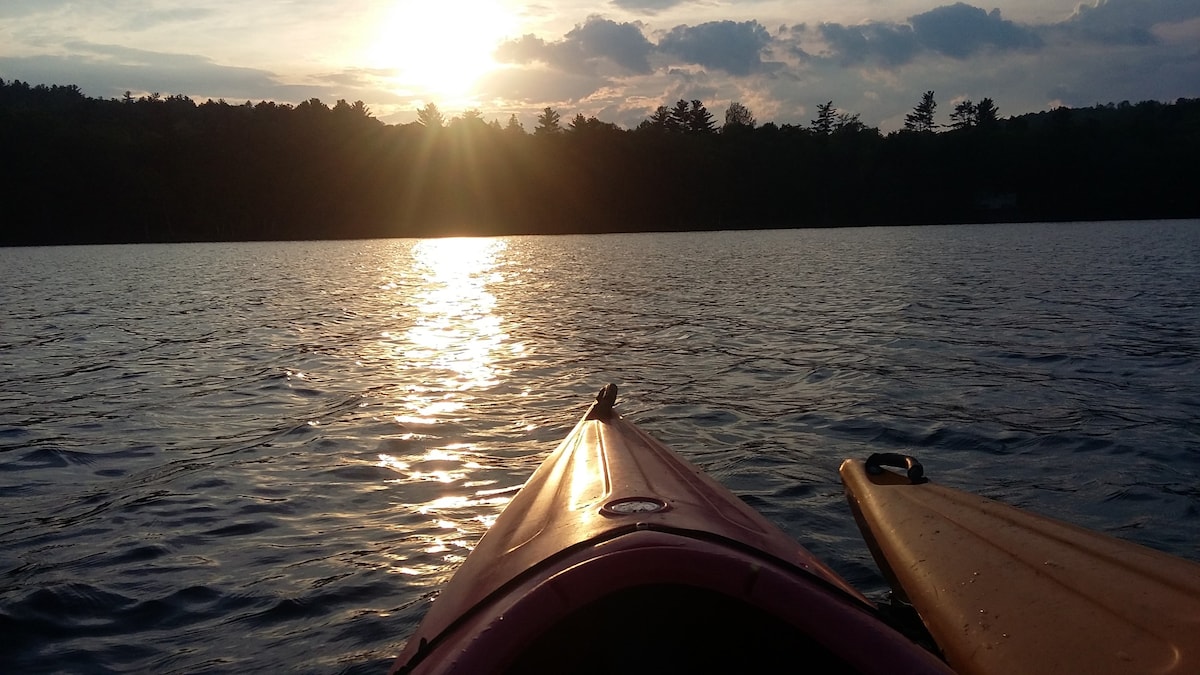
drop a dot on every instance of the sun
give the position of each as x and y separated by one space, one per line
439 49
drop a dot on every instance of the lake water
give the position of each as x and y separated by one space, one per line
269 457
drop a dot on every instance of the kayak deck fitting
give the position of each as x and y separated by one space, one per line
1003 590
617 556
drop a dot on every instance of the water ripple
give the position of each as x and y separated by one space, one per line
265 457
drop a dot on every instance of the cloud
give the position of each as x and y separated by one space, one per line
355 78
586 49
21 8
621 43
891 44
1160 73
1127 22
526 49
958 31
151 19
539 86
109 70
734 47
1107 50
647 6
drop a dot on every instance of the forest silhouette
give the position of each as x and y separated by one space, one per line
79 169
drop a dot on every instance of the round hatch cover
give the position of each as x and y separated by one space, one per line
630 505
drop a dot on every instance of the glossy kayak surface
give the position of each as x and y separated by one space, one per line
1003 590
620 557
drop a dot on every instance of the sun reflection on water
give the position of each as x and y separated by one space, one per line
456 334
451 347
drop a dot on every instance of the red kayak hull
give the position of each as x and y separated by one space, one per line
619 556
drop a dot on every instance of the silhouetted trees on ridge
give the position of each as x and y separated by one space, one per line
154 168
922 116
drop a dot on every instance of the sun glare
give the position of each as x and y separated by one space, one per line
439 50
455 339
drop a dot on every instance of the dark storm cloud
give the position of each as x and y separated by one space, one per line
582 50
734 47
957 31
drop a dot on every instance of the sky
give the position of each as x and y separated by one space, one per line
616 60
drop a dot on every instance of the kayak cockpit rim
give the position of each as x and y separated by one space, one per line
573 563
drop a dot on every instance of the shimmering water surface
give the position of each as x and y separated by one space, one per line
269 457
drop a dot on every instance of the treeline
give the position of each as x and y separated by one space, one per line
78 169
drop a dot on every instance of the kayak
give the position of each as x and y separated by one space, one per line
1002 590
618 556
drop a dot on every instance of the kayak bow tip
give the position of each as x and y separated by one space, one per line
606 400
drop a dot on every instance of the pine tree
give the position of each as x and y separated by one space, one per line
986 113
699 119
430 117
847 122
661 119
548 122
965 115
826 116
921 118
679 115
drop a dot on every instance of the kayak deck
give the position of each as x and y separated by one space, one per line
619 556
1002 590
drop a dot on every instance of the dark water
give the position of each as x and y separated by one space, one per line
268 457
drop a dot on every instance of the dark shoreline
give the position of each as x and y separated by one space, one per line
91 171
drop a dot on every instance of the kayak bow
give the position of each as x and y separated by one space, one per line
619 556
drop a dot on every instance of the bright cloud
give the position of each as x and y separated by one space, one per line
781 57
